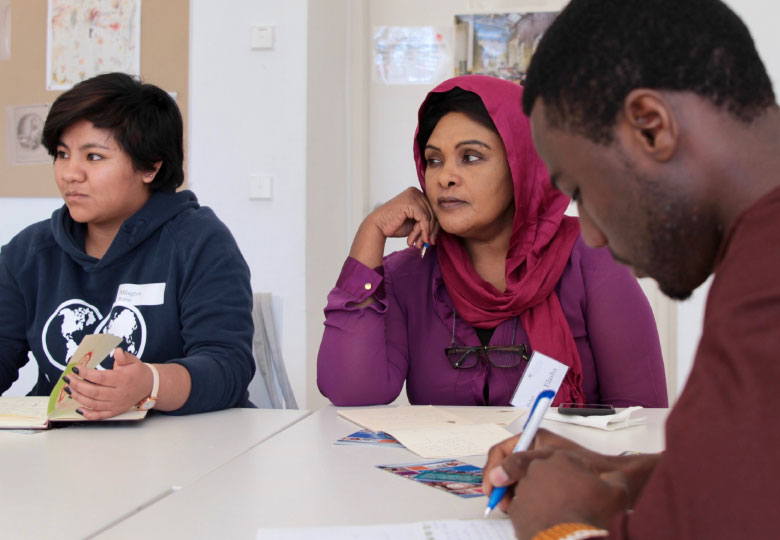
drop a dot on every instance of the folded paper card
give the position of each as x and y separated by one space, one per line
35 412
412 416
542 373
610 422
433 432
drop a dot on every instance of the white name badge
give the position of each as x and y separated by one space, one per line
150 294
542 373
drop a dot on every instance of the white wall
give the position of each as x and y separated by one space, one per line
336 157
248 116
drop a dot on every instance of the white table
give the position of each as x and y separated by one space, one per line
299 478
72 482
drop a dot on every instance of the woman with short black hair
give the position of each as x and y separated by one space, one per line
127 255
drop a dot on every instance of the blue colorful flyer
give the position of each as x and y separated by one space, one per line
370 438
450 475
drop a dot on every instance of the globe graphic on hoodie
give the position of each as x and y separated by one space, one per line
75 319
67 328
125 322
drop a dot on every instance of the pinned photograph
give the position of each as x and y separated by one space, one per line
498 44
24 127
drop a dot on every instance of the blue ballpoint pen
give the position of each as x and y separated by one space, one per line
541 405
422 251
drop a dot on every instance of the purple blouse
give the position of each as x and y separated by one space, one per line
367 353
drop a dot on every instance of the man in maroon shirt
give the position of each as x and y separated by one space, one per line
658 118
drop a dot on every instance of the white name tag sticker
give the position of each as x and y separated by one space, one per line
542 373
149 294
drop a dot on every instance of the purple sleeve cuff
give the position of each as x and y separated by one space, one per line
360 282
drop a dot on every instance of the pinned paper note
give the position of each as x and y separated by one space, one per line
542 373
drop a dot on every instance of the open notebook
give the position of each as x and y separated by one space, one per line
36 412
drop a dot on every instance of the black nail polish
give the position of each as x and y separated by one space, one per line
67 390
66 379
75 370
79 411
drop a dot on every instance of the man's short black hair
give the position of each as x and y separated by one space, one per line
142 118
597 51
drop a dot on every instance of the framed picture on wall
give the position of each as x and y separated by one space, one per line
24 127
498 44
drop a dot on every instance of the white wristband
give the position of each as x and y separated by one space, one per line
149 402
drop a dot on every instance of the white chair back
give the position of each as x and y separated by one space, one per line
270 387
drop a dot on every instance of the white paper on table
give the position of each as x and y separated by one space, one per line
27 406
476 529
489 415
451 440
404 417
607 422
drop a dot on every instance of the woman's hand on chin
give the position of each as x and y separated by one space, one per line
407 214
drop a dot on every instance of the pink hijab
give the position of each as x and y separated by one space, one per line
540 246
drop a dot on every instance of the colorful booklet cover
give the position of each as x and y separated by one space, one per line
450 475
35 412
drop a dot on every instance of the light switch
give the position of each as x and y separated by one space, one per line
261 37
260 186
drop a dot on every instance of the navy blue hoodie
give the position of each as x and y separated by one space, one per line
173 285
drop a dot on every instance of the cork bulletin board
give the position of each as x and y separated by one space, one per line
164 62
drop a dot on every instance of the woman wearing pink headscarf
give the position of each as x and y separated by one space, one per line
506 274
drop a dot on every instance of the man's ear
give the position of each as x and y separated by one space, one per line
652 123
148 176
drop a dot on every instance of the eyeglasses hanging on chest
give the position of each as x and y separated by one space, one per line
500 356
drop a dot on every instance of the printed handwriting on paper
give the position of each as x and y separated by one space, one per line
478 529
408 417
491 415
451 440
417 416
29 407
